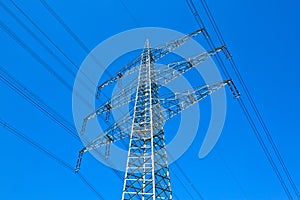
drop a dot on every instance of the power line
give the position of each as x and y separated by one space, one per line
39 59
17 39
33 99
42 149
231 174
26 28
184 187
189 181
66 67
266 130
34 55
129 13
37 39
72 34
219 35
65 26
249 97
207 37
29 96
45 35
264 147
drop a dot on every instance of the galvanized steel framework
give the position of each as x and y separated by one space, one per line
147 174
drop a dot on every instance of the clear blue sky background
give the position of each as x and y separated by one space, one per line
263 36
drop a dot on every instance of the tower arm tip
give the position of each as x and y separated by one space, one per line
233 88
78 163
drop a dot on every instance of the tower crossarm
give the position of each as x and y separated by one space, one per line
157 53
173 104
162 50
117 131
176 69
122 97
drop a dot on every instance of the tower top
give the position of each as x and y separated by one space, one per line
147 43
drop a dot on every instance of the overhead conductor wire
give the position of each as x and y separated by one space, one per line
258 114
49 69
249 97
42 149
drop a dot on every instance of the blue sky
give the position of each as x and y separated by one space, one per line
263 38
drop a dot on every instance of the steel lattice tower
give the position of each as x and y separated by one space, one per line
147 174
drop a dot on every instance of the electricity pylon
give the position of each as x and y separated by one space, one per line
147 174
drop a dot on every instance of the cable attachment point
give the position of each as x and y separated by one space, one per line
83 126
233 89
227 53
108 108
221 48
78 164
205 33
98 92
107 149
